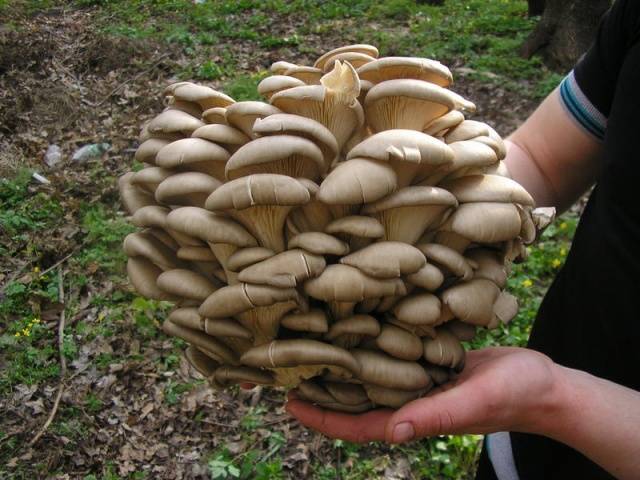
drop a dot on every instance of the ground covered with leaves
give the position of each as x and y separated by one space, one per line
75 73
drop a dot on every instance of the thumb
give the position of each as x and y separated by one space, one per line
458 410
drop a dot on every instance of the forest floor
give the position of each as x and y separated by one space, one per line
75 73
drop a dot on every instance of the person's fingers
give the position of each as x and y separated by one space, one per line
366 427
463 409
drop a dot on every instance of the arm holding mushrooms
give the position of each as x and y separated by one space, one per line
592 415
552 157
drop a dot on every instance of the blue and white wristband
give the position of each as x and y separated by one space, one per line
580 107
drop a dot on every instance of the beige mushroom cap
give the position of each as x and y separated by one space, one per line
143 244
314 320
472 301
216 116
485 222
147 151
490 265
390 68
342 283
386 259
319 243
308 75
399 343
188 188
204 96
381 369
287 124
443 124
258 189
356 48
143 275
230 138
208 344
243 115
406 104
195 253
444 350
174 121
418 309
235 299
278 154
428 277
149 178
357 181
356 226
208 226
194 154
279 67
245 257
133 198
356 59
391 397
185 283
229 375
467 130
204 364
276 83
488 188
446 257
287 269
347 332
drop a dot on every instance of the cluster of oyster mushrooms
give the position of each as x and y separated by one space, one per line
343 237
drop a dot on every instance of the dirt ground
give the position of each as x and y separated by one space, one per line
63 82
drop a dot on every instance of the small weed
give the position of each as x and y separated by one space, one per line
173 391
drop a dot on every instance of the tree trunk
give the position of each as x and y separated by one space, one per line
565 31
536 7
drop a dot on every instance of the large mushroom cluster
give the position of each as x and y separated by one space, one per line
342 238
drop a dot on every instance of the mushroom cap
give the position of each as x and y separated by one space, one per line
204 364
243 115
467 130
204 96
308 75
133 198
294 353
418 309
143 244
333 103
314 320
381 369
444 123
488 188
217 116
319 243
356 48
228 375
174 121
505 307
412 196
196 253
279 67
150 177
489 265
187 188
147 151
407 104
428 277
357 181
288 124
390 68
142 275
444 350
208 344
485 222
240 297
258 189
386 259
356 226
210 227
472 301
361 325
225 135
399 343
278 154
391 397
245 257
277 83
448 258
403 145
347 393
464 331
342 283
356 59
185 283
285 269
151 216
194 154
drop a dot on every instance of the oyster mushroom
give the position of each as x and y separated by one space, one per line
143 244
358 230
441 125
185 283
230 138
444 350
243 115
276 83
378 368
245 257
391 397
286 269
412 155
362 48
399 343
261 202
149 178
195 154
418 309
188 188
207 344
408 213
348 332
133 198
215 116
143 275
319 243
147 151
333 103
314 321
472 301
230 375
174 122
449 261
308 75
391 68
205 97
386 259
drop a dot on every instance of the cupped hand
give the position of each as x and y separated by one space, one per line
500 388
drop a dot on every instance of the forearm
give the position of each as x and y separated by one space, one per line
596 417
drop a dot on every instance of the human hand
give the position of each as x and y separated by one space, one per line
500 389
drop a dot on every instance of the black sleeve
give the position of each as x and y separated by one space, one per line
597 72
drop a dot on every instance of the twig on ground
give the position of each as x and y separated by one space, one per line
132 79
57 264
63 364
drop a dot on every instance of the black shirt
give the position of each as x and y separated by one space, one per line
590 317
